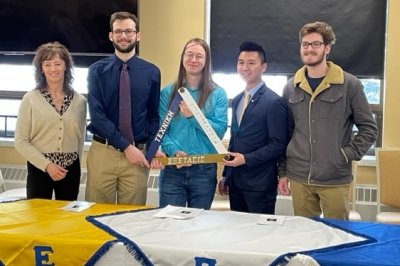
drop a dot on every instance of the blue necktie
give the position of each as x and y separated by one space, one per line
125 114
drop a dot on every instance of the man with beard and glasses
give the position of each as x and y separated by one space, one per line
122 127
325 103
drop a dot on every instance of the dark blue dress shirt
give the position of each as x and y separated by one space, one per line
103 100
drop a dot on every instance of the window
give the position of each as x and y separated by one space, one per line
374 92
13 87
233 85
241 21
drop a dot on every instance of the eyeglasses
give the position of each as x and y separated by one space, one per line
198 57
128 33
314 45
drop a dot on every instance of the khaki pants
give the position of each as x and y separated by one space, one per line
112 179
311 201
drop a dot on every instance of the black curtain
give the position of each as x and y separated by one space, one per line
359 25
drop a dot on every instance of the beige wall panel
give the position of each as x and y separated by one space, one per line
165 27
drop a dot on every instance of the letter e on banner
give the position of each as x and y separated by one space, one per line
42 255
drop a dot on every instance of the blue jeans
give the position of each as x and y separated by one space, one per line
192 186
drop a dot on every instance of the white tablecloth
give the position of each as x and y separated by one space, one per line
222 238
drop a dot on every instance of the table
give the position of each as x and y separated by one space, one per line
231 238
37 232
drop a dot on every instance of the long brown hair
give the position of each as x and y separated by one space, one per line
206 84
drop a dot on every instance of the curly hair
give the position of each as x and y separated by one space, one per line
319 27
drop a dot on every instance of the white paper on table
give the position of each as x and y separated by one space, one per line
180 213
271 219
77 206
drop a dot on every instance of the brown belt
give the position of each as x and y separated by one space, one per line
140 146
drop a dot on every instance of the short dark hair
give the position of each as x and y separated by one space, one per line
253 47
122 15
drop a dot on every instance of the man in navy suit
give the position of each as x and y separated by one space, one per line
259 135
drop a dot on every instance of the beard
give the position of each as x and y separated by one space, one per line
320 59
127 49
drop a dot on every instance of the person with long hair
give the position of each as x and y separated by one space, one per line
192 185
50 130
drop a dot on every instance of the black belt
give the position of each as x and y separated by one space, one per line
140 146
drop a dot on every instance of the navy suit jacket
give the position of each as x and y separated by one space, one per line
262 138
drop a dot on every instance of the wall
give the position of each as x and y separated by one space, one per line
8 155
167 25
391 121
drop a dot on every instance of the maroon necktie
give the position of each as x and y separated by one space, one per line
125 119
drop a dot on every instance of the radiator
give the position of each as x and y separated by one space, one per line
366 195
15 177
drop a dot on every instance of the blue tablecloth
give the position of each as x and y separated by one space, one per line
383 251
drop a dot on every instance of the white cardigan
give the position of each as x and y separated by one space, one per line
41 129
